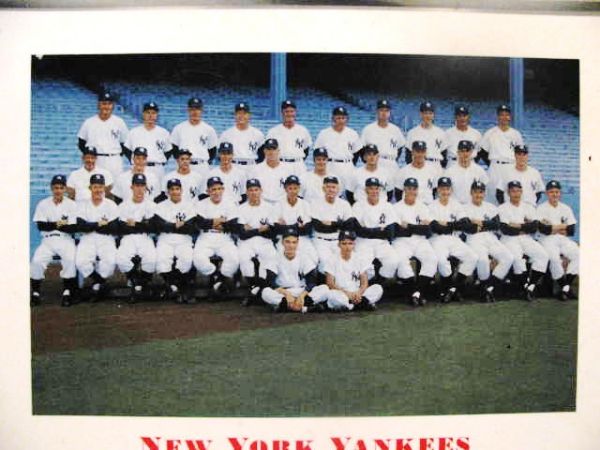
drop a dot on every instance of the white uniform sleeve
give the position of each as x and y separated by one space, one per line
571 220
83 131
175 136
503 214
357 143
320 141
123 131
39 214
213 140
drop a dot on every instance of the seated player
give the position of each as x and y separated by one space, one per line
234 178
97 250
134 225
371 169
292 287
557 224
217 219
464 173
55 217
78 182
483 222
425 172
271 173
192 182
529 177
347 279
175 221
122 188
312 182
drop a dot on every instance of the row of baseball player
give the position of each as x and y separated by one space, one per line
109 135
390 233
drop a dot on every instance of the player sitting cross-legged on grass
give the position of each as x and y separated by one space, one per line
346 275
292 287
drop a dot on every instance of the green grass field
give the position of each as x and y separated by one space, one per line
452 359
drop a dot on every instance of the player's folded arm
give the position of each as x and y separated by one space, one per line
461 224
530 227
508 230
305 229
231 226
188 227
322 228
46 226
469 228
421 229
438 228
492 224
110 228
311 279
352 224
203 224
571 230
400 231
84 226
545 228
160 225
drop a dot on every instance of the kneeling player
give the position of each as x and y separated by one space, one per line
557 223
55 217
346 275
293 285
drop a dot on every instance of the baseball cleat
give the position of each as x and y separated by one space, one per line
414 300
422 301
488 296
316 308
530 293
67 300
35 298
282 307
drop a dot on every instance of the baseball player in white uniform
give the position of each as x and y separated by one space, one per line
465 172
97 251
529 177
386 136
293 286
518 222
496 149
342 143
413 227
294 139
433 136
425 172
371 169
312 181
483 223
175 221
122 188
234 178
331 214
135 214
448 219
107 133
193 183
78 183
197 136
217 219
347 279
152 137
557 224
246 139
55 217
271 173
461 131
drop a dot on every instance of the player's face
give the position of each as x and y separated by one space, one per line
242 118
175 193
410 194
139 160
226 158
194 114
292 190
105 109
346 245
477 196
418 156
515 194
444 192
271 154
216 192
138 191
371 158
372 193
427 117
339 122
521 159
321 162
183 162
89 162
150 116
331 190
290 245
553 195
504 119
462 120
253 194
383 115
58 191
97 191
464 156
289 116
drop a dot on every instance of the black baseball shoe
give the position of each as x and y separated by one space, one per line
35 298
135 295
446 297
488 296
95 293
282 307
530 293
67 299
316 308
367 305
563 296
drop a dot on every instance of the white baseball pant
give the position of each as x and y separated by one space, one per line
158 171
344 171
318 294
94 245
485 245
446 246
417 247
557 245
64 247
383 251
259 247
326 248
170 247
113 163
136 244
337 300
297 168
216 244
526 245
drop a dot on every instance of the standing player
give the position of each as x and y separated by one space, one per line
342 143
152 137
271 173
195 135
433 136
122 189
483 222
371 169
107 133
217 219
529 177
448 219
135 214
294 139
234 178
55 218
425 172
246 139
386 136
78 183
413 227
518 222
557 223
192 182
293 286
496 148
97 252
312 182
347 280
465 172
175 221
461 131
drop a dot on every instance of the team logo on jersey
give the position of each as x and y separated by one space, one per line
418 220
350 147
180 216
161 145
253 146
299 143
115 134
301 276
104 217
237 187
355 276
393 143
533 186
203 140
438 143
193 192
453 217
382 219
512 145
564 220
430 183
486 217
264 221
282 182
299 220
64 217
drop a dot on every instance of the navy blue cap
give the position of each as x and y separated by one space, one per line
502 107
242 106
370 148
288 104
97 178
384 103
372 181
225 147
140 151
58 179
346 234
105 97
138 178
290 231
426 106
339 111
173 182
411 182
331 179
514 184
253 182
444 182
521 149
292 179
213 180
477 186
553 184
195 102
90 151
150 105
183 151
461 109
271 143
465 145
419 145
320 151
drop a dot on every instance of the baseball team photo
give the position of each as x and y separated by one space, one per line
303 234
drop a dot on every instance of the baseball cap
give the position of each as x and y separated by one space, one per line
461 109
346 234
138 178
465 145
514 184
370 148
384 103
195 102
419 146
59 179
444 182
288 104
411 182
271 143
97 178
173 182
90 151
502 107
105 96
477 186
225 147
150 105
290 231
339 111
183 151
320 151
521 149
553 184
331 179
292 179
372 181
242 106
214 180
252 182
140 151
426 106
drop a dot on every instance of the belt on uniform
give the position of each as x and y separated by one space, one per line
500 162
389 158
108 154
290 160
152 164
213 231
195 162
327 239
243 162
433 159
53 235
339 160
